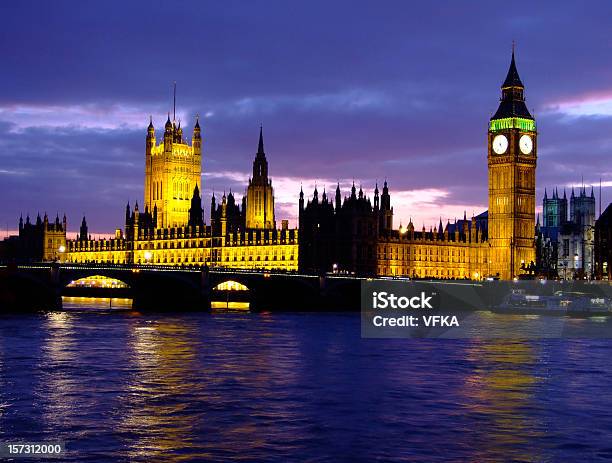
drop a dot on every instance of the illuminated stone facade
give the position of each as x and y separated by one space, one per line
460 251
173 169
171 230
192 246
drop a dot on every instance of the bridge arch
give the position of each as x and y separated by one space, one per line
97 289
231 285
231 295
98 281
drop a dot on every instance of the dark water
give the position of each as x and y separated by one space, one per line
295 387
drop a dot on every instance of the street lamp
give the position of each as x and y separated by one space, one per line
575 264
148 256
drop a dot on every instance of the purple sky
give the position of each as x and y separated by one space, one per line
397 90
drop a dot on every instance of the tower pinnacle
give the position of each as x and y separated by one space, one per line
512 102
260 147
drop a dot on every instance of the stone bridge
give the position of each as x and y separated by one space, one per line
41 286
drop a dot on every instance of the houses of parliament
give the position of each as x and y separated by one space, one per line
336 233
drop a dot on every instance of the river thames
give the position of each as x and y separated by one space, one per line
126 386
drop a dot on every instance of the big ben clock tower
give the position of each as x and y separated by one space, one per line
512 154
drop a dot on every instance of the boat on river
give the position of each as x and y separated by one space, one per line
578 304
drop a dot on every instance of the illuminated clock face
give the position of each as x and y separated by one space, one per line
526 144
500 144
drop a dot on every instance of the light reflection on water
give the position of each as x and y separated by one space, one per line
230 305
96 303
283 387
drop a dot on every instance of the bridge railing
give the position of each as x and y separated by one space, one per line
152 268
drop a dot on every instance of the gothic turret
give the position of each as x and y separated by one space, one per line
196 140
213 209
196 214
376 198
83 231
386 211
150 135
168 135
300 206
128 213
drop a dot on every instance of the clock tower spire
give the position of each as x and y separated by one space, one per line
512 155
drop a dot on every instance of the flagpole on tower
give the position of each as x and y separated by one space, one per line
174 104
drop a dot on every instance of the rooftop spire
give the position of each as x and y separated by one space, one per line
512 79
260 147
512 102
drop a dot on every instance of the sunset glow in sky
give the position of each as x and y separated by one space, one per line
362 91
